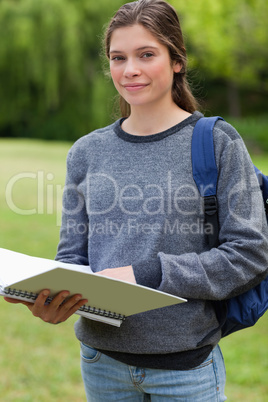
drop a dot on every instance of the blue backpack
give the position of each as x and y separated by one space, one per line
244 310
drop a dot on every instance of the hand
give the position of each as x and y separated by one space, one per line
123 273
57 311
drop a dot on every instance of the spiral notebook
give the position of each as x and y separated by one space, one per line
23 277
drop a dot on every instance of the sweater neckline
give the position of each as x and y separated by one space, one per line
154 137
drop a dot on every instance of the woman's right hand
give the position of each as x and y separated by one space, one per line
58 310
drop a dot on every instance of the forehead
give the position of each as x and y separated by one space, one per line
133 37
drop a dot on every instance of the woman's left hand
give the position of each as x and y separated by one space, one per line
123 273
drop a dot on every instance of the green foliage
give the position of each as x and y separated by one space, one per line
227 40
42 50
50 67
254 132
52 77
227 44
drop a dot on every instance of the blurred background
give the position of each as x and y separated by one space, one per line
53 90
53 84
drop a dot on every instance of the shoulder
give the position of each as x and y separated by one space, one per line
227 139
226 130
229 147
94 138
92 143
230 150
224 134
87 148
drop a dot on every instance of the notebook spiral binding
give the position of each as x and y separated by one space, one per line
20 293
105 313
84 308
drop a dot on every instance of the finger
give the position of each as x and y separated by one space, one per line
66 309
38 307
72 309
72 304
48 311
59 299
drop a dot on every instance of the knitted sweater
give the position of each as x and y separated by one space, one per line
132 200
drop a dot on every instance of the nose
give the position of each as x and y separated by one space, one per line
131 69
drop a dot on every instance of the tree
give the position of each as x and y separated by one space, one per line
228 40
51 73
50 68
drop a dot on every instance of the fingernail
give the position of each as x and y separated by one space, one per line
45 293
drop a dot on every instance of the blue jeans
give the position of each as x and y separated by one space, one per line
106 379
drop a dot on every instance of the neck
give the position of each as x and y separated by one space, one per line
147 121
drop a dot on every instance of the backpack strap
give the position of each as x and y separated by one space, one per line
263 182
245 309
205 173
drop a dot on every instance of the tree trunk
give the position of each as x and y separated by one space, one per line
233 99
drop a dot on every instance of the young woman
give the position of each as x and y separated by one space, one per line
131 211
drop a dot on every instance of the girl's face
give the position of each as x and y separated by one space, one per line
141 67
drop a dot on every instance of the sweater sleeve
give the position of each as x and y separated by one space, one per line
73 244
241 260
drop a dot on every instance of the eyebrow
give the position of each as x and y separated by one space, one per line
140 48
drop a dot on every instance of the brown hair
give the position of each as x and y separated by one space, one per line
161 19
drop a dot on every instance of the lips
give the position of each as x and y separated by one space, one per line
134 87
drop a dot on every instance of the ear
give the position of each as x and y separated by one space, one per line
177 67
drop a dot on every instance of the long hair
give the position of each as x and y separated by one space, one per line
161 19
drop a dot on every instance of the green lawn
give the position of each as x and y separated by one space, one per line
40 362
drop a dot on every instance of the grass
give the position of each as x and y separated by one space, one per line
31 183
246 360
40 362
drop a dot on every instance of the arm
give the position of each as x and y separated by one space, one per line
73 243
240 261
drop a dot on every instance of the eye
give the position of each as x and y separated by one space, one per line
147 55
117 58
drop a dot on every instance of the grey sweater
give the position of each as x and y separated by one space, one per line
132 200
